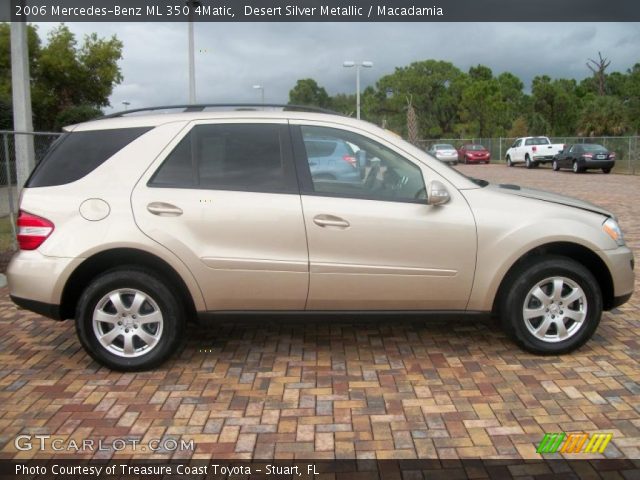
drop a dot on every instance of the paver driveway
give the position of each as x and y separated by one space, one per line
283 388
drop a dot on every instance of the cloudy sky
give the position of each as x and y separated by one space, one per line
231 57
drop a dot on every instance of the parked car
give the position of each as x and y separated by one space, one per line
444 152
532 151
473 153
331 159
138 223
585 156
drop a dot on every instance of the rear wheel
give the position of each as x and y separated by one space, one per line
575 167
555 166
553 305
606 170
128 320
527 162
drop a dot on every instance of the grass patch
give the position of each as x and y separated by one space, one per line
6 234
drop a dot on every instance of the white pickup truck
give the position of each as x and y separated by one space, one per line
532 151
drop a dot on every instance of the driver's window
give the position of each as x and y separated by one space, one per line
573 149
347 164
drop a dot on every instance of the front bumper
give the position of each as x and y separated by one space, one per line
621 265
448 158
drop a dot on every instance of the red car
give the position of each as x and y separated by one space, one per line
473 153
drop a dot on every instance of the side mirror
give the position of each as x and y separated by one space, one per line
437 193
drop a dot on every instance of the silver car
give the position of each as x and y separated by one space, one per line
445 153
138 224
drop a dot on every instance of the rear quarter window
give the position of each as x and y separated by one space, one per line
76 154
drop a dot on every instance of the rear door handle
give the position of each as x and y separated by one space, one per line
164 209
330 221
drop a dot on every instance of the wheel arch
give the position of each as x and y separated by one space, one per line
583 255
106 260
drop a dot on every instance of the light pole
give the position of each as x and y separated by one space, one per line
126 105
365 64
192 62
261 88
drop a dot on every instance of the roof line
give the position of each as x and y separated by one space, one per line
231 106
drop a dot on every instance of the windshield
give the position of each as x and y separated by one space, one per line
593 148
443 146
537 141
475 147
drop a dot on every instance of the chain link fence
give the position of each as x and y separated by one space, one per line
627 148
9 190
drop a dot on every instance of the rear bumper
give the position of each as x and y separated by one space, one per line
596 163
45 309
543 158
36 279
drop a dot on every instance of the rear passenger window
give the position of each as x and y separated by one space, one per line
246 157
76 154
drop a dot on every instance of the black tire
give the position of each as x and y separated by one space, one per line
555 166
527 162
521 282
171 334
606 170
575 167
509 162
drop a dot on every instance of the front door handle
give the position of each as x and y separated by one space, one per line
330 221
164 209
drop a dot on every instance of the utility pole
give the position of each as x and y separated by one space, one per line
21 89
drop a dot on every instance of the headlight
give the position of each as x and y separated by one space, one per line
611 228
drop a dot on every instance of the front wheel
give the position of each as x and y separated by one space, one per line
128 320
555 166
509 162
552 306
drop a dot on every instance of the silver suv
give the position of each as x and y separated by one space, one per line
137 224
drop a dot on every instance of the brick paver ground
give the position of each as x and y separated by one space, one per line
411 388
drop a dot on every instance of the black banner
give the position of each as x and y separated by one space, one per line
113 469
320 11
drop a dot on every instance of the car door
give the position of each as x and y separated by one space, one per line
517 155
571 155
224 198
374 243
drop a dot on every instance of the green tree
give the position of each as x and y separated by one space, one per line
557 102
519 128
64 73
308 92
433 86
603 115
76 114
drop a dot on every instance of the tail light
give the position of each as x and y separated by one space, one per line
612 155
351 160
32 230
534 148
587 155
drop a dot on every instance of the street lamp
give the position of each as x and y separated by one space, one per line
365 64
261 88
192 4
126 105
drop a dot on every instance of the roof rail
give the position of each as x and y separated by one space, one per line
200 107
